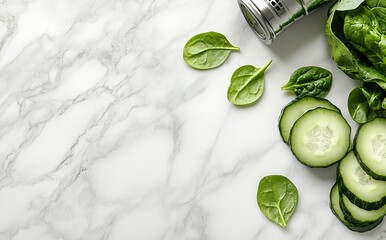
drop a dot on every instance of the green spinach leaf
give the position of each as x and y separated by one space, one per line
370 74
310 81
375 3
381 113
380 13
207 50
384 104
247 85
374 95
361 29
346 5
340 52
358 107
379 10
277 198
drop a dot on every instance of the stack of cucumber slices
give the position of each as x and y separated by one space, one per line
358 198
319 136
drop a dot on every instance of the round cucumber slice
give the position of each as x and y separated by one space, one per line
360 188
370 147
320 138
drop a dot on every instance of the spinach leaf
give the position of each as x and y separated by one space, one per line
346 5
361 29
374 95
310 81
207 50
378 8
380 14
277 198
370 74
247 85
358 107
384 104
381 113
375 3
340 53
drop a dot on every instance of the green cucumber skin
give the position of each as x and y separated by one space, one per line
354 199
365 168
349 218
294 101
363 165
311 166
280 117
361 228
353 227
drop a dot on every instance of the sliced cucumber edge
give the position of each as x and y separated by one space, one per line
359 158
355 199
352 226
296 100
334 161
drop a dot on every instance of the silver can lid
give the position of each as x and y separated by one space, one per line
267 18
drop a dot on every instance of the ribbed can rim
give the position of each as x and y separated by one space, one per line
256 20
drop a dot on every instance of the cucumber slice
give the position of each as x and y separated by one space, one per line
320 138
295 109
358 215
360 188
337 211
370 147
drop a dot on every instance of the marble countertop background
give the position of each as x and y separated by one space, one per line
105 132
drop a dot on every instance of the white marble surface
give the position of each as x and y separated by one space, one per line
105 132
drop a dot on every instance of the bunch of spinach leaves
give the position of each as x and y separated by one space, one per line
356 33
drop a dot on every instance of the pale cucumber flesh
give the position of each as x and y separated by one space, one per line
358 186
370 147
320 138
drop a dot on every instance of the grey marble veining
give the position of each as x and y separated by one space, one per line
105 132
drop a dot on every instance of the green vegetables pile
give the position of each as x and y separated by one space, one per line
356 33
314 129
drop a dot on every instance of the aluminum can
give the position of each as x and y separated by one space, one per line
268 18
